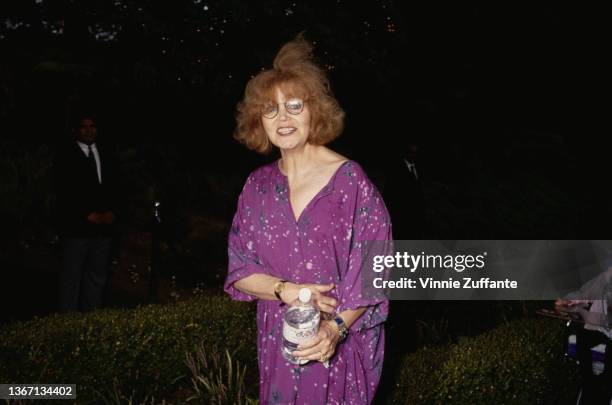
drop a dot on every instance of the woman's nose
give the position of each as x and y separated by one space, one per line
282 112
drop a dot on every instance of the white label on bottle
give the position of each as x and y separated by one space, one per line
297 335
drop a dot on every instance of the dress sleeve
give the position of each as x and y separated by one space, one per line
371 222
243 259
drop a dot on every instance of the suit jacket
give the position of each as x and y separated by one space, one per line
79 193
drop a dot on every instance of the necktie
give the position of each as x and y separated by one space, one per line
92 163
412 168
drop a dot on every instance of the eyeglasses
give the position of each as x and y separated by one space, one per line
293 106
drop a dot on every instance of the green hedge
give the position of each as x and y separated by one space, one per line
520 362
142 349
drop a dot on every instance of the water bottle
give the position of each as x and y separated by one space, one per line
301 324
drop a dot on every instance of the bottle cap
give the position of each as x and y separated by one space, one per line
304 295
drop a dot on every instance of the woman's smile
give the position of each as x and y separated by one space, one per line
283 131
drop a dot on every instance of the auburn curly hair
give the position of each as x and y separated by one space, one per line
296 75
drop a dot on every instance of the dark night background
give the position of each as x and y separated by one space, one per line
498 99
493 95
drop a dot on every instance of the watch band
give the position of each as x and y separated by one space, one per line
341 327
279 286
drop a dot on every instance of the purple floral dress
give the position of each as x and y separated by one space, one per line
323 246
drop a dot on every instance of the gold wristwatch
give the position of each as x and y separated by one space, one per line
279 286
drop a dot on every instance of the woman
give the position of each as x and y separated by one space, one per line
301 222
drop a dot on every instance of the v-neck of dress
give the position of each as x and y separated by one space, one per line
318 195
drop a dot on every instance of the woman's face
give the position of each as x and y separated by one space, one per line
288 129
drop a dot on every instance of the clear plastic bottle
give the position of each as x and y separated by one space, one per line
301 324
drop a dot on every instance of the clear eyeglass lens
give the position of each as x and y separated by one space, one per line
294 106
270 111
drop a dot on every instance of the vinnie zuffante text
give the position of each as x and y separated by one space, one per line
403 261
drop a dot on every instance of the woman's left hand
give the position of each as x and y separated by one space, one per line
323 346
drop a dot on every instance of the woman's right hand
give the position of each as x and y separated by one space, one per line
561 304
325 303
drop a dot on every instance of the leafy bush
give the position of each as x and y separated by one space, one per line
217 379
25 185
205 349
518 363
143 349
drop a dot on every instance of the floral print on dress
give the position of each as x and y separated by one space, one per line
325 245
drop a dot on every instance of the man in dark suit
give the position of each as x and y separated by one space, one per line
86 197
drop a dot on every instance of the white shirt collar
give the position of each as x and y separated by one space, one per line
85 148
84 145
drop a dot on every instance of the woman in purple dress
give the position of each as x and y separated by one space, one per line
302 221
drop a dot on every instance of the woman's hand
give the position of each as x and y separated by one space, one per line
325 303
323 346
561 304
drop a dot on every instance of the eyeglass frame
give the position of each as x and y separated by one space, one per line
286 109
